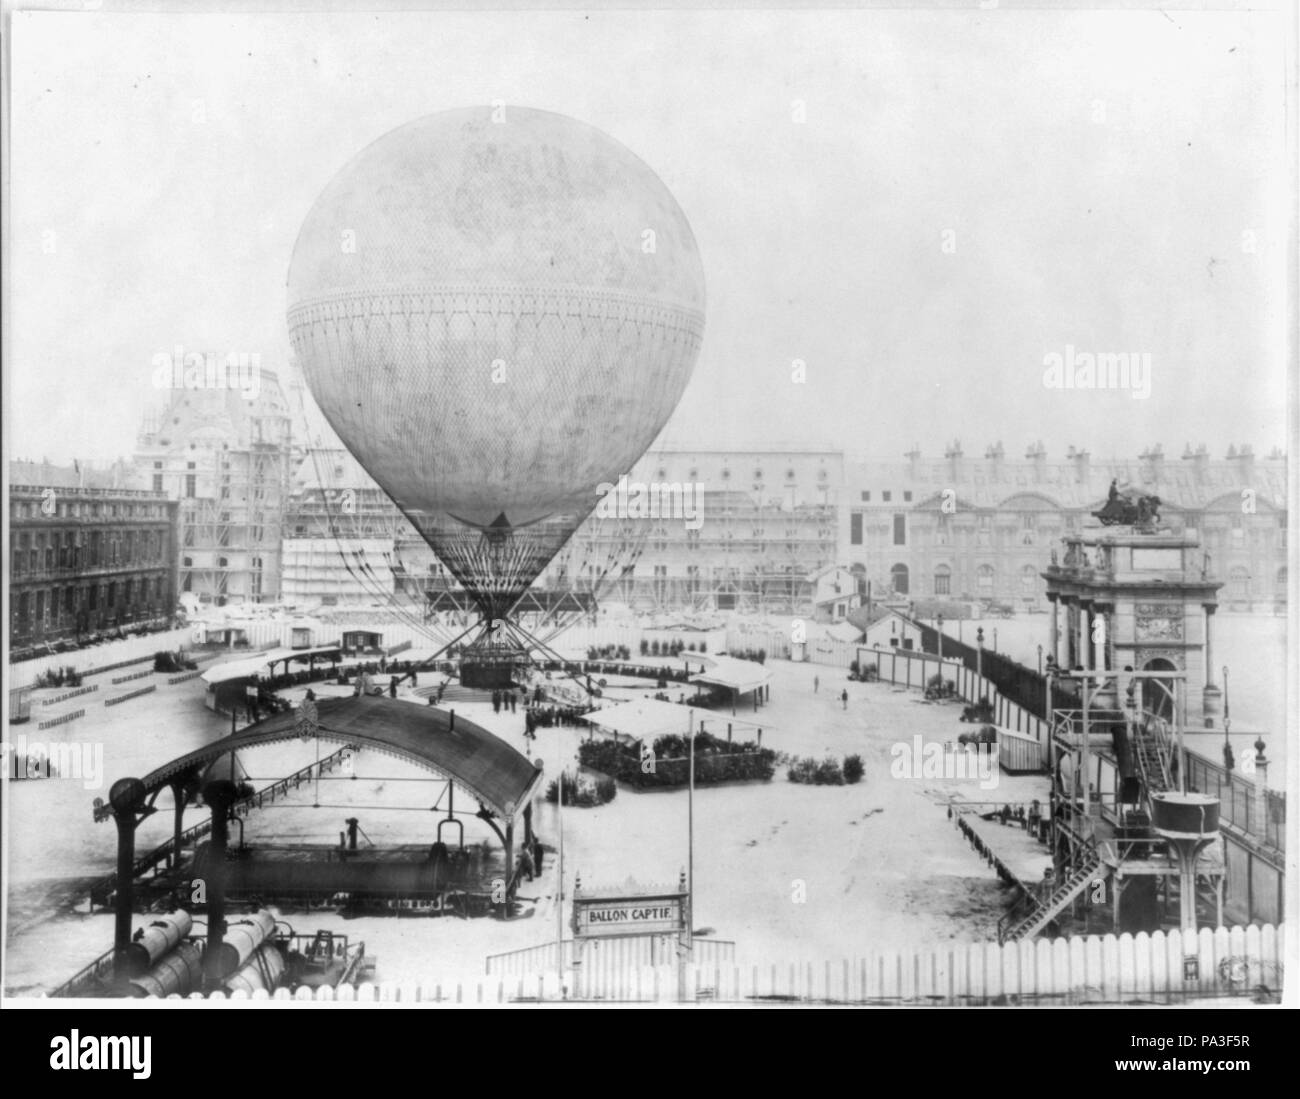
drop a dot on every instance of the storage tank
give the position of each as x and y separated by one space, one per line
180 972
242 937
264 969
157 939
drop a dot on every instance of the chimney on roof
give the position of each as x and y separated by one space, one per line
954 456
1153 464
1200 459
1082 464
994 455
1244 460
1037 453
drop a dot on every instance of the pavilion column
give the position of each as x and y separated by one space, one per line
510 861
219 796
127 800
1055 601
178 820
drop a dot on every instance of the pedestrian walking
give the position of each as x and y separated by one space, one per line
844 697
392 687
817 682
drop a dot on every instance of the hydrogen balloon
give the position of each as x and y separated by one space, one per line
497 310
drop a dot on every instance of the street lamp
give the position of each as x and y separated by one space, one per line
939 623
1040 659
1228 761
995 639
979 654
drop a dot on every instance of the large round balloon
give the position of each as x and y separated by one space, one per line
497 310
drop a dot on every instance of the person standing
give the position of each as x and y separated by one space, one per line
817 682
844 697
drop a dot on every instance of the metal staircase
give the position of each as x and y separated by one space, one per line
1150 738
1024 922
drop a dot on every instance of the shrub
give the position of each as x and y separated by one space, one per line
803 770
829 773
715 761
811 772
583 792
853 769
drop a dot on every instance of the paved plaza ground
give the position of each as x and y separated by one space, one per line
788 872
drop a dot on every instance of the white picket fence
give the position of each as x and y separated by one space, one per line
618 954
1243 963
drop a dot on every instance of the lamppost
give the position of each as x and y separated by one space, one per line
979 655
1040 659
995 639
939 623
1228 761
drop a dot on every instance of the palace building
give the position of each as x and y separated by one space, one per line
87 555
981 529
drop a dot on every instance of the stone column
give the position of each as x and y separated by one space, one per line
1211 695
1071 634
1085 637
1056 654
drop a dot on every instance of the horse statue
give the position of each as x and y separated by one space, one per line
1129 508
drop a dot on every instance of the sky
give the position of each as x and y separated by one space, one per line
921 208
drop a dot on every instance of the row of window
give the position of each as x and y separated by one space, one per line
54 607
55 508
1239 580
45 551
887 496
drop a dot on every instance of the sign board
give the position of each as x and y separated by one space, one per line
1162 558
613 917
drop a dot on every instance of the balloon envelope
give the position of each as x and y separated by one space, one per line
497 311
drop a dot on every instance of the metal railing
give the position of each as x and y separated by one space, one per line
103 889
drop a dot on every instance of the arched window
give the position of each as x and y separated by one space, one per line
898 576
942 580
1239 582
1028 580
984 576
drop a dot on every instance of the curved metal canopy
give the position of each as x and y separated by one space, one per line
478 761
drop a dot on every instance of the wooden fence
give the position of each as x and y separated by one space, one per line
1241 963
909 668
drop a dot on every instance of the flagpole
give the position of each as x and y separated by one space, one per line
690 842
559 889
